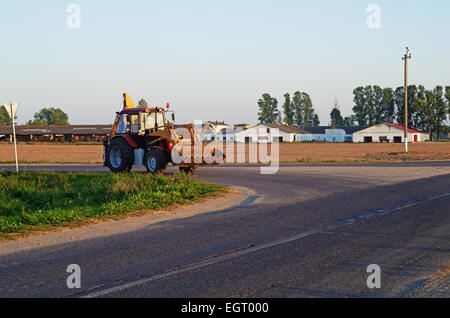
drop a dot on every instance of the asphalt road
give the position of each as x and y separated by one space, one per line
310 231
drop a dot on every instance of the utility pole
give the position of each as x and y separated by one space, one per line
406 58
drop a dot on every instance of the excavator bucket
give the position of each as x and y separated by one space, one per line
196 153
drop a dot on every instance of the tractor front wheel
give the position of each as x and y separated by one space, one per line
119 156
155 162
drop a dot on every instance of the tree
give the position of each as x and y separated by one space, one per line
447 97
359 109
381 105
268 109
280 119
420 104
440 111
297 101
4 116
316 120
304 114
370 104
432 111
399 97
335 116
399 100
414 115
388 106
309 116
50 116
143 103
349 121
375 105
288 110
379 112
430 106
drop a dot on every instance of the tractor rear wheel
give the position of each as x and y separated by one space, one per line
119 156
155 162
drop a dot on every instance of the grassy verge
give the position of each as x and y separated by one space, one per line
42 200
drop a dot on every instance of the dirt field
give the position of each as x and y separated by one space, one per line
289 153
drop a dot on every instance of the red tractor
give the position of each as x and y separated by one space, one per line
144 136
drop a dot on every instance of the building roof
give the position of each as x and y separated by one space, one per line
224 131
217 123
350 130
289 129
321 130
57 130
242 125
415 131
138 110
315 129
399 127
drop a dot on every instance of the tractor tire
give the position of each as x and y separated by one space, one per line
188 170
119 156
155 162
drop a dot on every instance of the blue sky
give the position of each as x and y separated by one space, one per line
212 59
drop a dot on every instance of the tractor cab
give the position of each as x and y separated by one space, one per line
141 121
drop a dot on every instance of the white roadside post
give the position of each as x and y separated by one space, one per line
11 108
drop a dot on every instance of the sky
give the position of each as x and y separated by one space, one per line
213 59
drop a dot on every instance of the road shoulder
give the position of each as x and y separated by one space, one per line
141 219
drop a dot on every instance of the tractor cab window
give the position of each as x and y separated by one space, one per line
160 119
134 124
122 125
149 121
153 120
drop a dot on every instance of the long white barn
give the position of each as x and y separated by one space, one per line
389 133
268 133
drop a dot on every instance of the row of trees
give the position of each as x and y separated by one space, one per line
46 116
427 108
50 116
297 110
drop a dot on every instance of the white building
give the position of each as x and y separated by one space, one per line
226 134
209 134
335 135
220 131
388 133
211 130
329 134
268 133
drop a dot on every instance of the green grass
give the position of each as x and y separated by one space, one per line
37 200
